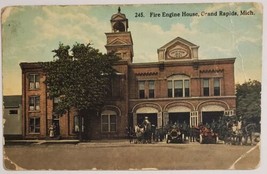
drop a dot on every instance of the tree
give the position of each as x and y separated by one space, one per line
249 101
80 77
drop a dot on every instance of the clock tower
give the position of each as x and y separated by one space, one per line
120 39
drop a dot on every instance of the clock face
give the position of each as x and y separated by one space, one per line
178 53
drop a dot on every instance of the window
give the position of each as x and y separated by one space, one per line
76 124
108 121
146 89
13 112
217 90
34 103
206 89
141 89
186 88
178 86
34 125
169 88
151 86
34 81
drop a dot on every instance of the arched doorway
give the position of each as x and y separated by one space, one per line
179 115
149 112
210 113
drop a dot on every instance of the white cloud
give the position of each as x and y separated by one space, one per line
55 26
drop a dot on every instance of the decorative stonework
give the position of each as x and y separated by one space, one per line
211 71
146 73
178 49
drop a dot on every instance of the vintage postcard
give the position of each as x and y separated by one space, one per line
132 86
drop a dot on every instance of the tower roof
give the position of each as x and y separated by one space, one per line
118 16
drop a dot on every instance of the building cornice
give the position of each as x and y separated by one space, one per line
30 65
183 98
190 62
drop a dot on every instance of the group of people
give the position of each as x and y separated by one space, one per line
226 129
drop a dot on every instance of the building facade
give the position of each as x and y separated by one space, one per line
12 118
179 88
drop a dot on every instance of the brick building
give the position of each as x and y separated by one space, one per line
179 87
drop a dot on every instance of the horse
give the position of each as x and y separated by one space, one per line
130 134
248 130
236 134
139 134
159 134
147 132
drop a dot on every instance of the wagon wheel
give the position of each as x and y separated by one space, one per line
215 140
167 140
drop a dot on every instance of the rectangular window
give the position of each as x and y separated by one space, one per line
108 123
34 103
104 123
13 112
178 88
206 88
112 122
186 88
151 86
170 88
34 125
217 90
141 89
34 81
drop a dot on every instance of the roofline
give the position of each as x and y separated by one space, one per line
12 95
30 65
181 39
186 62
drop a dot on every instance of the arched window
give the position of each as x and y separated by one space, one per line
108 121
178 86
119 27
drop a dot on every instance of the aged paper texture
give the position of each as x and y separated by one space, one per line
141 87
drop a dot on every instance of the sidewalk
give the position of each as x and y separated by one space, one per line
106 142
40 141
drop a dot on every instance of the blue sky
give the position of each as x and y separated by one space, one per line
30 33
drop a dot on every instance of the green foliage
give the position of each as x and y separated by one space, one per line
249 101
80 77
